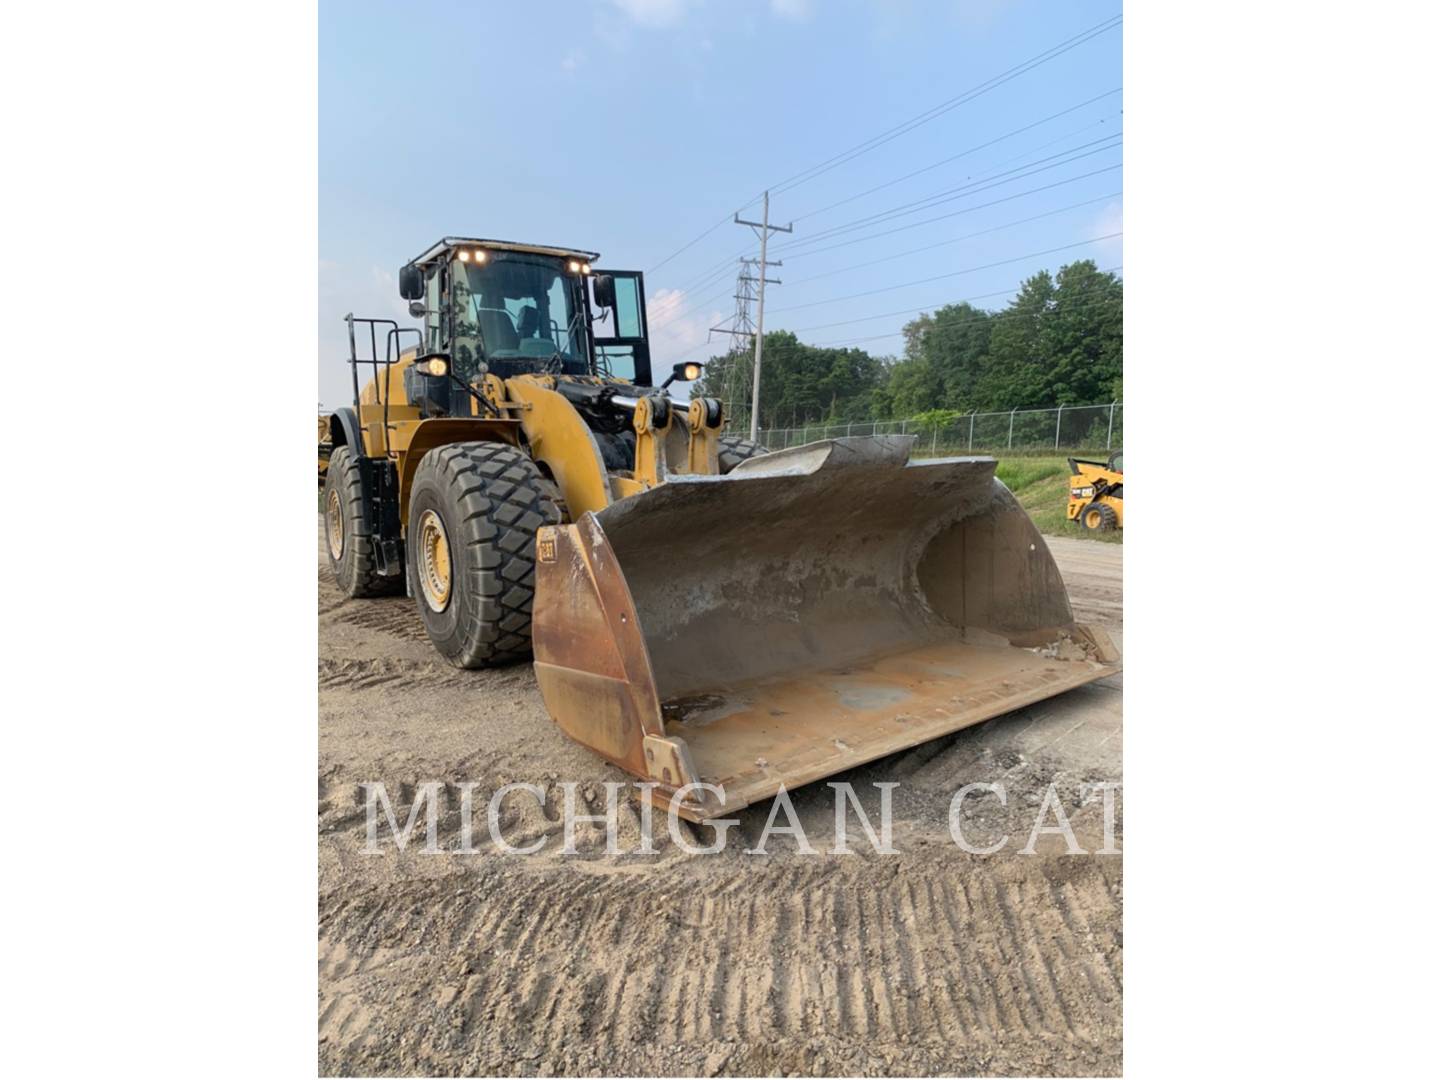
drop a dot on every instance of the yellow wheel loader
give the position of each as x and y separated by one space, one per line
717 620
1097 494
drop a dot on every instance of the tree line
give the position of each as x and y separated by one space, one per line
1058 342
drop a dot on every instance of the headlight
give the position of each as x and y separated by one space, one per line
692 372
434 366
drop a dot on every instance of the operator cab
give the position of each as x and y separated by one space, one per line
511 309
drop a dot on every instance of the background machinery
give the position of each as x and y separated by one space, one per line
700 612
1097 494
325 446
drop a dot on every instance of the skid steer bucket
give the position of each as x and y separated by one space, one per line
814 609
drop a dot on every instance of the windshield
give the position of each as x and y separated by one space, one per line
520 313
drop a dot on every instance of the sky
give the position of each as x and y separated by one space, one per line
634 127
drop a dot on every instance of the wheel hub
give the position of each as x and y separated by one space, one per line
335 526
434 561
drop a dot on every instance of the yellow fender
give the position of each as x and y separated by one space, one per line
561 440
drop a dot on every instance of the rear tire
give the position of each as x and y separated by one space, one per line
734 450
351 548
470 549
1098 517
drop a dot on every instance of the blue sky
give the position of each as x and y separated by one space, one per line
631 126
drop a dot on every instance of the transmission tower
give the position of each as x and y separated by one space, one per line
736 389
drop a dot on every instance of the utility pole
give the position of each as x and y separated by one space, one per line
764 229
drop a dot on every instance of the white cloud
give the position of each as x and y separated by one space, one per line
794 10
653 12
1111 220
573 60
676 333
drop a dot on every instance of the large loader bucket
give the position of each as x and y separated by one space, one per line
815 609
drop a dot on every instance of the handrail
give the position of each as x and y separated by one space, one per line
392 345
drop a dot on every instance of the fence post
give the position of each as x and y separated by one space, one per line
935 442
1010 439
848 429
903 425
970 445
1111 428
1058 413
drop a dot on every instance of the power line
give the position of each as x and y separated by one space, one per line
691 305
806 175
722 275
955 240
723 266
954 213
686 247
972 187
963 153
956 273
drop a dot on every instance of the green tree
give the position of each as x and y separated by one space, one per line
1085 336
800 383
1060 341
1015 376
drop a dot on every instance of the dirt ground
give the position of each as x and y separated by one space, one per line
929 961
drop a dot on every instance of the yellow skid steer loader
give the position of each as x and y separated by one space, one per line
1097 493
712 618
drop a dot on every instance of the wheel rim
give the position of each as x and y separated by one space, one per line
1092 519
434 561
335 526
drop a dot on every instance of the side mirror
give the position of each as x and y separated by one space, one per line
412 284
418 309
604 290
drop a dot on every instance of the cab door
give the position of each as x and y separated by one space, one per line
621 333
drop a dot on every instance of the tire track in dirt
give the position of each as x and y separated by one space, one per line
392 615
943 956
926 963
395 674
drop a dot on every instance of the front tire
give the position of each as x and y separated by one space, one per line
351 548
734 450
470 546
1098 517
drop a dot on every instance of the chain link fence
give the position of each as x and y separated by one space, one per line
1068 427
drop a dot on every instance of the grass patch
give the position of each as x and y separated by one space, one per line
1020 473
1042 484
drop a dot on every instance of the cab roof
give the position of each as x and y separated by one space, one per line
449 243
